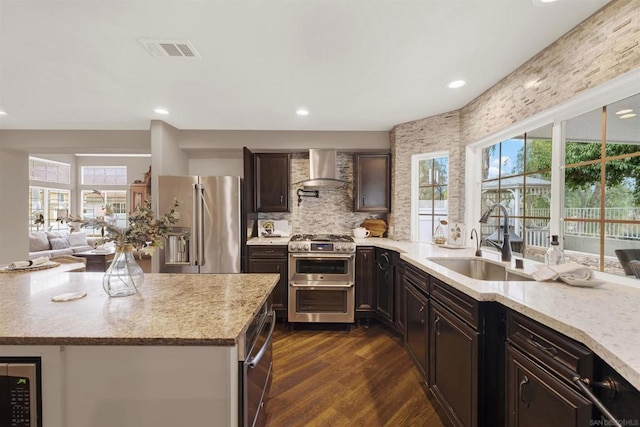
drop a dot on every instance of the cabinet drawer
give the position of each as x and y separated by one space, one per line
268 251
534 397
416 277
465 307
557 352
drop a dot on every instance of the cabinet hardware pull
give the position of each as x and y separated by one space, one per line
281 199
278 269
436 325
363 201
421 316
524 382
582 385
551 349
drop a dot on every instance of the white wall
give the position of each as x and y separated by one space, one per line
262 141
221 163
14 190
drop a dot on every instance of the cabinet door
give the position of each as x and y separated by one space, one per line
272 182
453 366
416 336
537 398
279 296
384 285
372 192
365 281
400 299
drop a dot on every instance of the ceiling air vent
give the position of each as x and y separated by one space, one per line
169 48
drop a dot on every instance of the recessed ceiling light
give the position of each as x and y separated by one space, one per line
547 1
302 112
456 84
3 113
625 111
628 116
162 111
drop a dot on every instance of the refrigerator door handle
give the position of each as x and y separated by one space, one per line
199 223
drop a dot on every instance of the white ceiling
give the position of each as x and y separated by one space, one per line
355 64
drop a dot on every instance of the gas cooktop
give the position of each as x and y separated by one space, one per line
318 243
321 238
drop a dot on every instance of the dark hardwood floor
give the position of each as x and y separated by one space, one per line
331 377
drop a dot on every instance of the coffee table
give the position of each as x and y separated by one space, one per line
97 261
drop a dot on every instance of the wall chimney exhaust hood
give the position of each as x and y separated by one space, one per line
323 169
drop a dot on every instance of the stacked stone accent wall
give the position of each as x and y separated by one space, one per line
604 46
438 133
332 212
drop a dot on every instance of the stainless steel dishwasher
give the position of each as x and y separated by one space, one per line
255 352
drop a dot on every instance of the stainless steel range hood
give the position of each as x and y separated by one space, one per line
323 169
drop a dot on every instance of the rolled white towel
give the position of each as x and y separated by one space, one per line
28 263
570 271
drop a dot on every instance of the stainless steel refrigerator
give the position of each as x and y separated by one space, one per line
208 237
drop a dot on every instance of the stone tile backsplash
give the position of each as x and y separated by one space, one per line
332 212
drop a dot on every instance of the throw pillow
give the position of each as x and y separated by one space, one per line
57 234
60 243
38 241
78 239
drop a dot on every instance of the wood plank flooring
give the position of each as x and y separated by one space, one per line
331 377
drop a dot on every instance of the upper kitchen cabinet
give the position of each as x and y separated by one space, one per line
372 183
272 182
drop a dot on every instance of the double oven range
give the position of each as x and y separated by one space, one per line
321 278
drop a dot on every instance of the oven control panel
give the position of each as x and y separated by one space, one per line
322 247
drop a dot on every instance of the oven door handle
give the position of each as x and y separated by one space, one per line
253 362
322 255
322 285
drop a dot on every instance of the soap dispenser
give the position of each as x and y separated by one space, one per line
554 254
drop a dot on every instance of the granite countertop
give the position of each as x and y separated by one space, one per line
170 309
269 241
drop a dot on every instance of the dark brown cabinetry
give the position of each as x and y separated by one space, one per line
454 365
466 356
399 298
416 335
365 282
540 366
272 259
537 398
385 277
372 183
272 182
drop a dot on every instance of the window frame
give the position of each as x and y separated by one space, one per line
415 187
608 93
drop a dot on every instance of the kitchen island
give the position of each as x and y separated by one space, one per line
167 356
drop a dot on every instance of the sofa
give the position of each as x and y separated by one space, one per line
55 243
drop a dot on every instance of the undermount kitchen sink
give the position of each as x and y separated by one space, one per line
480 269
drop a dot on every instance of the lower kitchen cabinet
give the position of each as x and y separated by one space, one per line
453 365
399 299
385 265
537 398
365 282
416 336
273 259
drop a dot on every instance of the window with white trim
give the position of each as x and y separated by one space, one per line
104 175
430 176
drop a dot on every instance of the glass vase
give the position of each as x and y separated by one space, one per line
124 275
